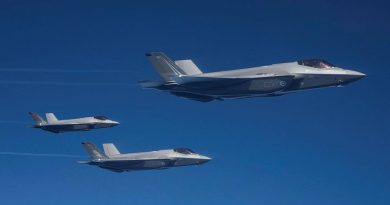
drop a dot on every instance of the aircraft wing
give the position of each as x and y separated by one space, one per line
83 162
205 88
113 169
116 165
196 97
212 82
153 84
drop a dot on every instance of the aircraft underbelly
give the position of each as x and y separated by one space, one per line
99 125
140 165
81 127
154 164
69 127
184 162
248 87
145 164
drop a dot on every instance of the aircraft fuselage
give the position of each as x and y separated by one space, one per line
270 80
137 165
57 128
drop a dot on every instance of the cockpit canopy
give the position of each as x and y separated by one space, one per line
184 151
100 117
316 63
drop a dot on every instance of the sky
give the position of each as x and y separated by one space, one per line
83 58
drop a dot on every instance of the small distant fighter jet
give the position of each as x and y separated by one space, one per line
114 161
184 79
52 124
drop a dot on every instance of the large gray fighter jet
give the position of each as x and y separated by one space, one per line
184 79
52 124
114 161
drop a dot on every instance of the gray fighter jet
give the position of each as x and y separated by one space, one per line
114 161
184 79
52 124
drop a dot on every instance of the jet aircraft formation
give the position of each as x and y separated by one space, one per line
112 159
183 78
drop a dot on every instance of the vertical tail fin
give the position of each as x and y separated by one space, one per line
93 151
188 66
38 119
167 69
110 149
50 117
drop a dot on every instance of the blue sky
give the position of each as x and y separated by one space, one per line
326 146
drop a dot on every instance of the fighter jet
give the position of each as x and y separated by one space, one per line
114 161
184 79
52 124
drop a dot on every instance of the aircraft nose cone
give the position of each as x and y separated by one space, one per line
357 75
114 123
351 76
204 159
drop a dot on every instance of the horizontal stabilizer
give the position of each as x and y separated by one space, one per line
150 84
83 162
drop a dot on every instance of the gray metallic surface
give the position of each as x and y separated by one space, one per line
272 80
52 124
162 159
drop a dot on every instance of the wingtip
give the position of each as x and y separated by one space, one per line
83 162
